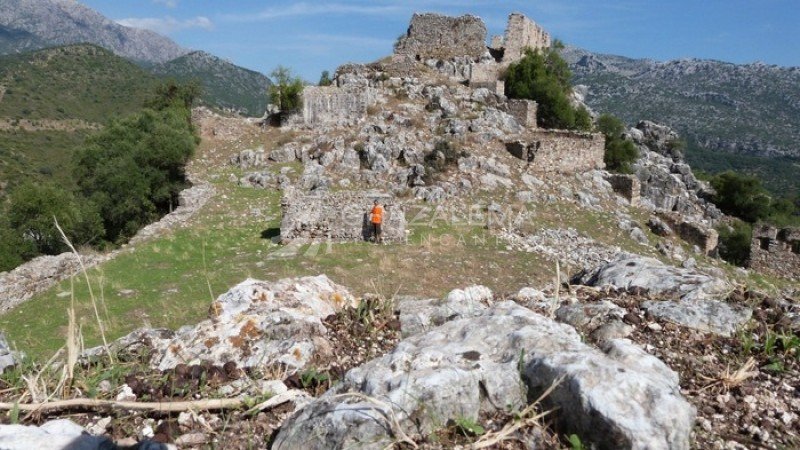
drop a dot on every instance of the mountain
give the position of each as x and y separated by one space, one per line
31 24
225 85
83 82
741 117
52 98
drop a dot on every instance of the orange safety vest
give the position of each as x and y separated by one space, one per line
377 214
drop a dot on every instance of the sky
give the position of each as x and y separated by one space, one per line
312 36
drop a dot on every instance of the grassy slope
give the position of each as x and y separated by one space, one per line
75 82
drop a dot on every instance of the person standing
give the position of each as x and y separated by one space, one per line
376 219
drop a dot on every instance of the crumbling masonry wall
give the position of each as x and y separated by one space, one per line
434 36
339 216
628 186
776 251
706 238
524 111
520 34
332 105
560 151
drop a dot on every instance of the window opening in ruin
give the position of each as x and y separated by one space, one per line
764 243
795 247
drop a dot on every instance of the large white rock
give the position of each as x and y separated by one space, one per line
630 271
255 323
623 399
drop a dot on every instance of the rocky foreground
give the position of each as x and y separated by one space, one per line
641 355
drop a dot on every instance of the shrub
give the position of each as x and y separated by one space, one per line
285 90
619 152
325 79
33 208
443 156
543 76
734 242
14 249
741 196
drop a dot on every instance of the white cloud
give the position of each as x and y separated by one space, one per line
167 3
167 25
308 9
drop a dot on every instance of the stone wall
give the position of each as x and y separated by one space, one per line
330 105
524 111
628 186
776 251
560 151
706 238
339 216
484 75
434 36
520 34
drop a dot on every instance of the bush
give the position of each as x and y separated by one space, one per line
14 249
741 196
619 152
34 209
543 76
325 79
734 242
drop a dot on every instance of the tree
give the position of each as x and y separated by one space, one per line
741 196
133 170
285 90
34 209
325 79
544 76
619 152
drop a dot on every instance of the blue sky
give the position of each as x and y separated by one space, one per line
311 36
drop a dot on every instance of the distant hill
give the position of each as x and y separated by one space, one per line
32 24
74 82
225 85
743 117
59 94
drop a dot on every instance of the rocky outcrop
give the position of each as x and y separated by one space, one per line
621 398
667 182
254 323
690 298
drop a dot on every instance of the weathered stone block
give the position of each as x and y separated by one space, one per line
434 36
339 216
331 105
560 151
694 233
628 186
484 75
524 111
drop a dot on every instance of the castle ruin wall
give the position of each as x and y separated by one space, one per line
776 251
434 36
333 105
339 217
560 151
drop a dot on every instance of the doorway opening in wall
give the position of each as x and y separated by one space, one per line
763 243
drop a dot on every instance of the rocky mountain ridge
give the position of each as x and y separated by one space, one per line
225 85
754 107
29 24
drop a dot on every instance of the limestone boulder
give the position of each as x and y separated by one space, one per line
622 398
628 271
710 316
256 323
8 357
421 315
